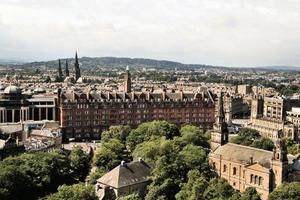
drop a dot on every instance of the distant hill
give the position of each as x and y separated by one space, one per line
121 62
280 68
91 62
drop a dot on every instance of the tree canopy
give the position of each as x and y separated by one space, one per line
74 192
287 191
251 137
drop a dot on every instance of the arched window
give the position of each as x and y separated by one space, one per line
251 178
260 180
234 171
255 180
224 168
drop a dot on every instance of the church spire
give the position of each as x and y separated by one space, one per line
60 74
76 67
67 69
219 135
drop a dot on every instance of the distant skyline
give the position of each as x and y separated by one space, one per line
228 33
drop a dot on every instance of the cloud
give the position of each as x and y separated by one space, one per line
231 32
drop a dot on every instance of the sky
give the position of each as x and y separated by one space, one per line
234 33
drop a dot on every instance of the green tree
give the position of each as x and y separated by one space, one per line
168 173
111 154
116 132
14 184
292 146
263 143
192 135
194 188
80 163
150 130
219 189
250 194
287 191
74 192
130 197
194 156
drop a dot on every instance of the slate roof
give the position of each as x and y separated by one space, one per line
242 154
126 174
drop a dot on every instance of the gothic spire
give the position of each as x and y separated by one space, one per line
67 69
60 74
76 67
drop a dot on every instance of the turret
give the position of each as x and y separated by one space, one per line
127 81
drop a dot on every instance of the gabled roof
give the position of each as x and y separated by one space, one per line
243 154
126 174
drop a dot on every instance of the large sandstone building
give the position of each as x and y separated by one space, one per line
244 166
268 117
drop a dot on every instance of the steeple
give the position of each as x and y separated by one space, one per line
76 67
67 69
60 74
219 135
127 81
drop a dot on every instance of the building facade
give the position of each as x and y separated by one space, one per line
244 166
17 107
86 115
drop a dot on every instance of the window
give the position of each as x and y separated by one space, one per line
224 168
234 171
260 179
255 180
251 178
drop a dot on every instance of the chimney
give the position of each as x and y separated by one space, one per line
251 160
123 163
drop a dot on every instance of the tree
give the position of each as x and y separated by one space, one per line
80 163
130 197
194 188
14 184
250 194
110 155
74 192
116 132
287 191
194 156
263 143
149 151
292 146
32 175
192 135
250 137
150 130
219 189
168 173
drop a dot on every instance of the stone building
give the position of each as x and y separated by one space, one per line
244 166
16 106
268 117
125 179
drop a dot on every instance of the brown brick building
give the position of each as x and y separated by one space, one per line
87 114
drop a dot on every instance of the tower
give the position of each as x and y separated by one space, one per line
127 81
279 163
67 69
60 74
219 134
256 107
76 68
